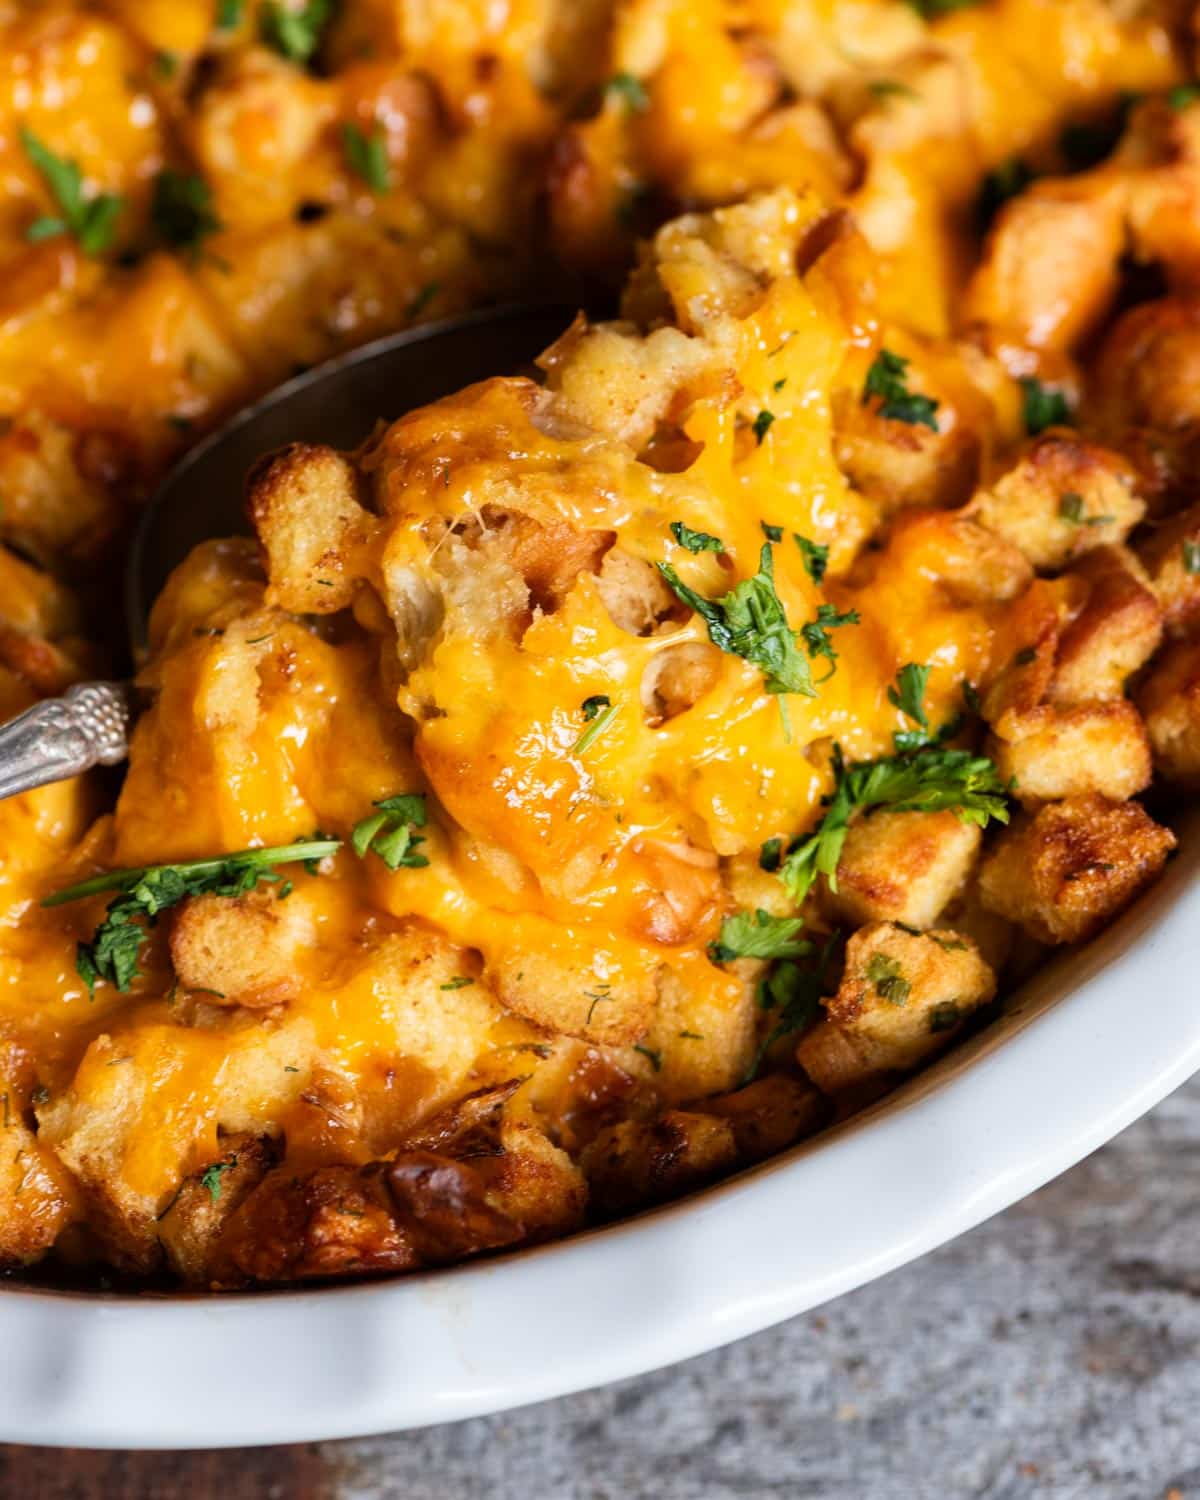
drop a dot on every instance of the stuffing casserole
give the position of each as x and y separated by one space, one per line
590 786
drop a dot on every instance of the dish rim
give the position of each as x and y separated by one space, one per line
103 1370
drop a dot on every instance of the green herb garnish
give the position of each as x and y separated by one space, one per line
599 712
887 379
294 34
888 978
1043 407
92 220
630 91
794 994
388 832
695 541
368 156
210 1178
649 1052
1191 557
761 425
459 982
757 934
181 209
814 555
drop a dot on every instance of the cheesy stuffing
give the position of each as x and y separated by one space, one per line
693 741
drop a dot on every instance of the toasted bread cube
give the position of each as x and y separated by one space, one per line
34 1187
1049 268
1070 868
770 1114
1171 555
189 1227
242 949
703 1029
902 997
563 985
972 564
1118 630
900 463
534 1183
304 503
1052 752
1170 701
902 867
1061 498
639 1162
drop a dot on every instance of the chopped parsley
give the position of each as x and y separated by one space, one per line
761 425
815 556
210 1178
1073 508
649 1052
1042 407
888 978
181 209
932 780
91 220
757 934
422 300
887 379
1191 557
908 696
165 65
144 892
944 1016
772 533
770 855
1008 180
815 633
294 34
1183 95
629 91
750 622
229 14
695 541
459 982
794 995
388 832
890 88
599 712
931 9
367 155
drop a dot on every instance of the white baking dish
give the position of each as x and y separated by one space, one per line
1089 1045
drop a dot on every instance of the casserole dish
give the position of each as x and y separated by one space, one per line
1092 1042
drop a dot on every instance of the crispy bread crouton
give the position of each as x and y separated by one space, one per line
1171 555
1049 268
304 503
1069 869
770 1114
972 564
636 1163
902 997
1170 701
191 1224
35 1202
1061 498
703 1031
902 867
1052 752
241 949
897 463
565 986
1117 631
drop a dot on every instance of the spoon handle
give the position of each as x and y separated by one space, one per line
60 737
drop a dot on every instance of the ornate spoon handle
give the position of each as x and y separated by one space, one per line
60 737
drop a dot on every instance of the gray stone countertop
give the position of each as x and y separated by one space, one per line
1050 1353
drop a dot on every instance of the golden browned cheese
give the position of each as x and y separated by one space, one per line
372 1069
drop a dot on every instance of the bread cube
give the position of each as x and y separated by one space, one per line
1117 631
639 1162
1053 752
902 867
304 503
902 997
242 950
770 1114
1062 497
1171 555
1170 700
1068 869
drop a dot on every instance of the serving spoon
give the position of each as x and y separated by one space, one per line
338 403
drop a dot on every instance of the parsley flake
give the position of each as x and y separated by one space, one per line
888 380
459 982
649 1052
629 91
761 425
229 14
367 155
888 978
210 1178
599 711
814 555
695 541
1191 557
1042 407
181 209
944 1016
388 832
757 934
294 34
91 220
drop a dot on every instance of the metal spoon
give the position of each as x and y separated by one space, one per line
337 403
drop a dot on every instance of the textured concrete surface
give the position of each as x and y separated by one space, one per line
1052 1353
